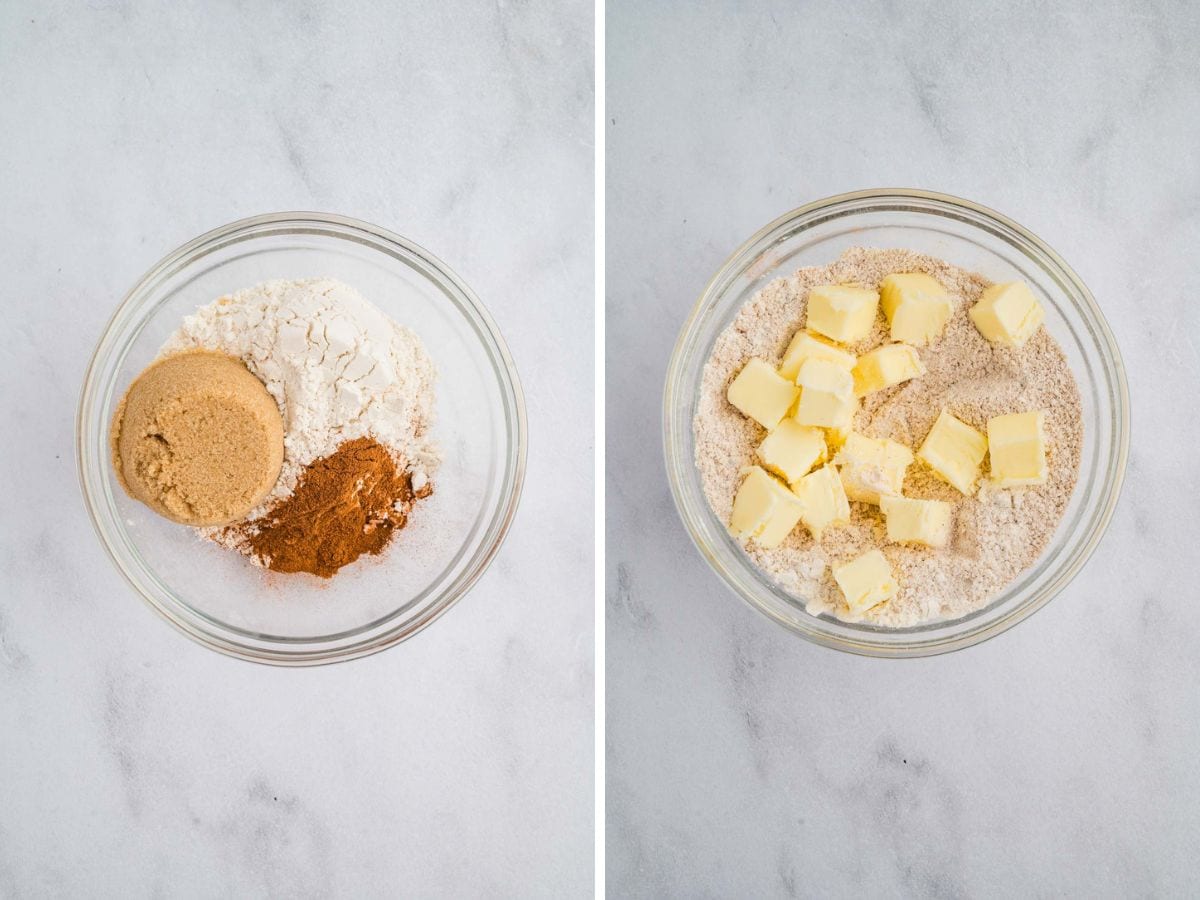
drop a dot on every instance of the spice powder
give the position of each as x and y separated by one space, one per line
344 505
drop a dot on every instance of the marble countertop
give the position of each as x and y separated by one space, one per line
134 763
1058 759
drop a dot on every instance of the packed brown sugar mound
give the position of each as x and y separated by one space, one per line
198 439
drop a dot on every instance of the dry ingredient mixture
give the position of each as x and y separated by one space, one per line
355 392
995 535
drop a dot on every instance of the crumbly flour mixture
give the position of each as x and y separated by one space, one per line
337 366
995 536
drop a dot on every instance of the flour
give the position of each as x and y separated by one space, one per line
996 535
337 366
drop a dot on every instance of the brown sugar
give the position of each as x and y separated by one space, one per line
198 439
344 505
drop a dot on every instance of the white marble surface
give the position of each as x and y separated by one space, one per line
134 763
1059 759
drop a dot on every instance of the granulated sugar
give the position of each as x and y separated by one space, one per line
996 535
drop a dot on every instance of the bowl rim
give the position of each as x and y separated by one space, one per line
514 471
732 267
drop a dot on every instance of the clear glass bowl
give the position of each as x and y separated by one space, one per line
974 238
217 597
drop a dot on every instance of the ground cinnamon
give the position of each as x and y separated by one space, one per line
344 505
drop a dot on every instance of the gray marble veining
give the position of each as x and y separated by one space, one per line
1056 760
134 763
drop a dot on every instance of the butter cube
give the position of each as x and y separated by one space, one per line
917 307
871 467
954 451
886 366
805 346
842 312
835 438
1017 445
826 395
759 392
1008 313
822 500
792 449
866 581
764 509
912 521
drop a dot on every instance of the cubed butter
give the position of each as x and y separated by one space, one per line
826 395
917 307
764 509
954 450
805 346
871 467
866 581
760 393
835 438
842 312
792 449
886 366
1008 313
1017 446
822 500
911 521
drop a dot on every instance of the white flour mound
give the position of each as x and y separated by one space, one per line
337 366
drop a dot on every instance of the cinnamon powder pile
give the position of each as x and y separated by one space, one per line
344 505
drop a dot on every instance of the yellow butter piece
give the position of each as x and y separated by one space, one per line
954 450
792 449
842 312
1017 446
1008 313
764 509
917 307
822 500
759 392
826 395
835 438
911 521
886 366
871 467
805 346
866 581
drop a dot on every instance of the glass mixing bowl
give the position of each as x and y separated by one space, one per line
974 238
217 597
